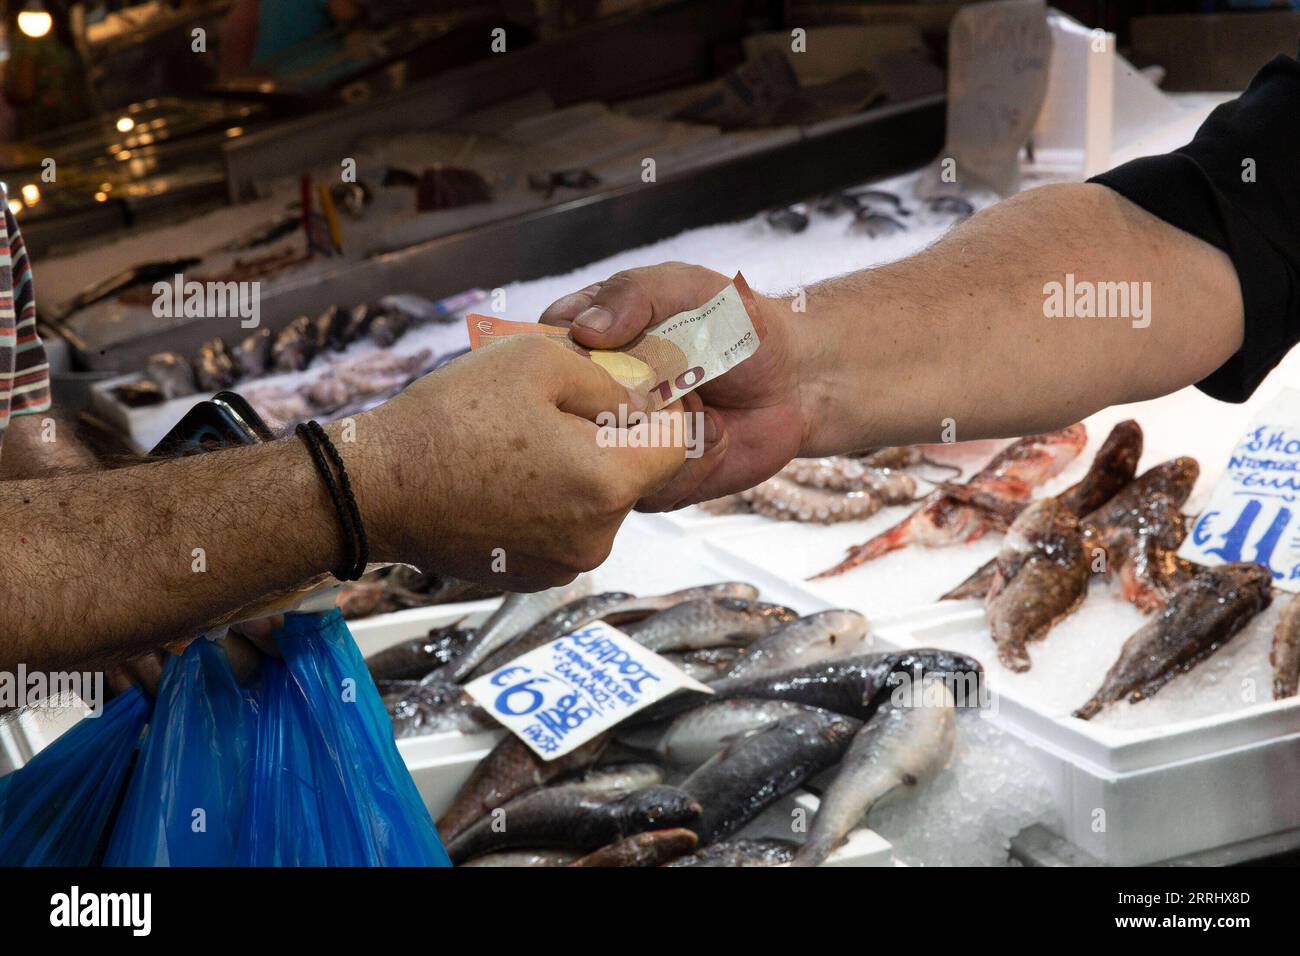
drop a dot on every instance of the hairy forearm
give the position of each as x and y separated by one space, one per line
36 445
99 566
958 333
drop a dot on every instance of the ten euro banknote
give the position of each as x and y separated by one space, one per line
668 359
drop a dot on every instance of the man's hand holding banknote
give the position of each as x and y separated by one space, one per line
674 340
753 423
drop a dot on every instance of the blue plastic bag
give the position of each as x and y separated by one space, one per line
329 787
299 770
185 804
54 810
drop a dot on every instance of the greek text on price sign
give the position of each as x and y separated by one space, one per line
557 697
1254 513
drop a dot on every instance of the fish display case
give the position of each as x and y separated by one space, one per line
1129 791
519 237
1203 763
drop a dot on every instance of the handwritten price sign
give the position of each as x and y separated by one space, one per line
1254 513
561 695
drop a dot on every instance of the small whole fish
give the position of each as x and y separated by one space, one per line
870 195
1140 530
786 500
214 369
1197 621
940 521
826 635
1174 479
741 852
388 326
575 817
295 346
413 659
172 374
706 664
507 771
698 734
331 328
436 705
708 622
896 752
1284 655
1042 577
252 356
1112 469
525 858
875 224
515 615
751 773
559 622
358 322
852 686
789 219
1145 553
950 205
615 607
630 775
652 848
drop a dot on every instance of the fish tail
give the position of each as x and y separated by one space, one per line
1140 592
812 853
1014 657
1091 709
975 586
881 544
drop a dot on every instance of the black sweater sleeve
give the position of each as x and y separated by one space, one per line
1207 188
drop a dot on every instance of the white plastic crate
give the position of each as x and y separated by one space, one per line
1137 794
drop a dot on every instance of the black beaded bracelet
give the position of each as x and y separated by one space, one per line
323 453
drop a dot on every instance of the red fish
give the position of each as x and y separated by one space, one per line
1012 475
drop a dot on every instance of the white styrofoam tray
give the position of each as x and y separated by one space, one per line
439 778
639 547
1131 787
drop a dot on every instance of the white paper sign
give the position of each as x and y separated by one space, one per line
561 695
1254 513
998 55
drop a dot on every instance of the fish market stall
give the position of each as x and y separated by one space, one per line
987 792
1106 785
1079 646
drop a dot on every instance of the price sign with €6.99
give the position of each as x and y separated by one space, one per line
1254 513
557 697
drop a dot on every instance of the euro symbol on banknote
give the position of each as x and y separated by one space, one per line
670 358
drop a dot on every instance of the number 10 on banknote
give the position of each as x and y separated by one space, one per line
670 358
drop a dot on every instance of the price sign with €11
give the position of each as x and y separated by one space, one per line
1254 513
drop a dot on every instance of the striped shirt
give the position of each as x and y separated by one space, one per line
24 370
